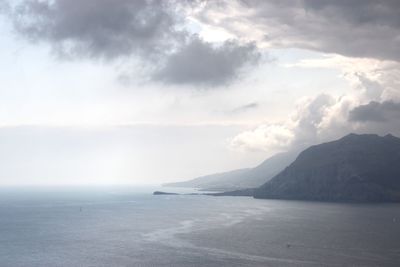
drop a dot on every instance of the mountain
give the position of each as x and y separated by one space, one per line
241 178
353 168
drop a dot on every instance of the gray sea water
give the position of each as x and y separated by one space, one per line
131 227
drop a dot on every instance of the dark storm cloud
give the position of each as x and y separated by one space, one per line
4 7
202 63
359 28
150 30
97 28
376 112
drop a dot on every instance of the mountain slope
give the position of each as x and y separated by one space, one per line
353 168
219 181
241 178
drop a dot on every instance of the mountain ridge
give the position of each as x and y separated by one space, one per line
241 178
353 168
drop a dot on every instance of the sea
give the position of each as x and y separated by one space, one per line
128 226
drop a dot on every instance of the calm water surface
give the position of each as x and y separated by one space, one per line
131 227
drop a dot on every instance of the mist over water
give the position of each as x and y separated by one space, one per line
131 227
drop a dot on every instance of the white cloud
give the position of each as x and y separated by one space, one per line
266 137
325 117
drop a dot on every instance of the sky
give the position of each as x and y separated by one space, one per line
97 92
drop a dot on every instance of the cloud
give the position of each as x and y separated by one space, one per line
151 30
376 112
203 63
356 28
97 29
157 33
307 119
265 137
296 132
372 106
4 7
249 106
